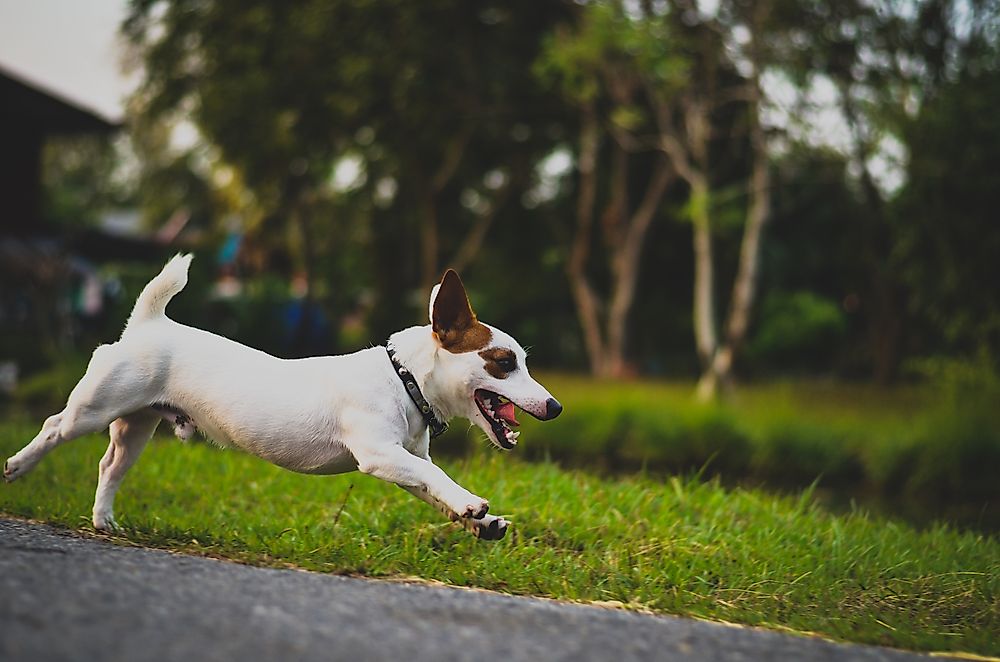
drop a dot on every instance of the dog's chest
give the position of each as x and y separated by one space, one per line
418 444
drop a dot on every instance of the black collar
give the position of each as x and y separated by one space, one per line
436 425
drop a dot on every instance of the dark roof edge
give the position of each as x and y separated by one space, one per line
41 88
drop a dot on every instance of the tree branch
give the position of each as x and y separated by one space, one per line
473 240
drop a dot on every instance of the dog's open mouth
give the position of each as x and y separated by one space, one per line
499 413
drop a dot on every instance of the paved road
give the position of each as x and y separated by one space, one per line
64 597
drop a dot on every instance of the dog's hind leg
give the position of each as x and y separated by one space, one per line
129 435
100 397
68 424
490 527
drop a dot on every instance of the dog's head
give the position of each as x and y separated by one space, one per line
481 370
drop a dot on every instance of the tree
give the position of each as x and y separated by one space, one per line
945 238
596 71
256 79
286 91
655 81
886 62
689 79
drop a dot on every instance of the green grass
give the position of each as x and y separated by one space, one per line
675 546
909 451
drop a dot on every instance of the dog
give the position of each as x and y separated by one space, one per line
373 411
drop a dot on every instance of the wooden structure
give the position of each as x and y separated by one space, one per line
29 114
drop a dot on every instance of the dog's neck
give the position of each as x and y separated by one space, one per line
417 350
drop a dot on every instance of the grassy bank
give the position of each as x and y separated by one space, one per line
675 546
928 455
921 453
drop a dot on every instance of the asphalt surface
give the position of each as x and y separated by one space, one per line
65 597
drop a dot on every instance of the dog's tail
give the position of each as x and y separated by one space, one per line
158 292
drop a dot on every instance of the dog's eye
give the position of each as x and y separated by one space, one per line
507 364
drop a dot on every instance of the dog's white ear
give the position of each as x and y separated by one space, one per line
430 306
452 318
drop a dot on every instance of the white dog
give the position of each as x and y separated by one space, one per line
374 410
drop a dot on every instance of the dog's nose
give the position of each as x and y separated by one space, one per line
552 409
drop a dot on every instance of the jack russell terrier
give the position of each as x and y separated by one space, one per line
375 410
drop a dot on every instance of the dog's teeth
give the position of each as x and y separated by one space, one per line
515 435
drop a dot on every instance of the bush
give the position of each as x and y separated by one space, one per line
797 452
955 452
956 457
46 391
796 329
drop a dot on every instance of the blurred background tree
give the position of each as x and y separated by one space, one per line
614 178
321 115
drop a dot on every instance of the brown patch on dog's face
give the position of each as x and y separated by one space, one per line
468 340
454 323
500 361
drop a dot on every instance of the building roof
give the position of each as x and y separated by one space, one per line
27 103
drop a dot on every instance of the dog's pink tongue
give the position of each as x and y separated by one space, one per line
506 412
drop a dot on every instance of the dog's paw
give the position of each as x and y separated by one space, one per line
491 528
476 509
105 522
11 470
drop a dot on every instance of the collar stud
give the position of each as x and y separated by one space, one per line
434 424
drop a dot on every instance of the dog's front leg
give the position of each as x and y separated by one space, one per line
396 465
490 527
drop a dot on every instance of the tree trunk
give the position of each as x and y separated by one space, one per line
706 339
428 243
719 372
584 297
474 238
885 325
606 343
690 159
626 267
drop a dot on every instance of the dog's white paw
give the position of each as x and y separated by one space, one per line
12 470
106 522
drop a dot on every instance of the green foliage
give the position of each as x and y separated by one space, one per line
959 437
962 381
83 176
796 452
675 546
49 388
796 329
282 91
946 238
955 455
605 37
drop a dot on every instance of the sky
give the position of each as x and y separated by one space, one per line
70 47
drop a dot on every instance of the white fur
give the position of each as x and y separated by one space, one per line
321 415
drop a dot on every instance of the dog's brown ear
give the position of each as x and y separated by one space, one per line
452 319
450 308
